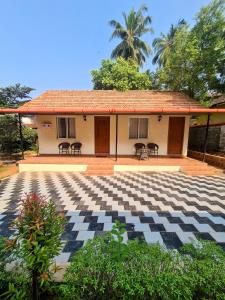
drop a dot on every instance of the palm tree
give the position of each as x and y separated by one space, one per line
164 44
131 46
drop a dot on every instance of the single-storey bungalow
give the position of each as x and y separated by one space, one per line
110 123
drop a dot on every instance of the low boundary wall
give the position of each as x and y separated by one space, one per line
214 160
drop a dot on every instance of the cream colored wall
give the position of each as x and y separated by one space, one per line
47 137
158 133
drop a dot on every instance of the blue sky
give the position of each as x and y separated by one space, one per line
54 44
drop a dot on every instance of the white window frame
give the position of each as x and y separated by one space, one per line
137 138
67 127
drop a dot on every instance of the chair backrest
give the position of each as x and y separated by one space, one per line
152 146
64 145
139 145
76 145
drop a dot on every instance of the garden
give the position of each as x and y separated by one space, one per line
106 267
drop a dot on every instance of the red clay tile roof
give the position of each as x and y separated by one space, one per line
110 101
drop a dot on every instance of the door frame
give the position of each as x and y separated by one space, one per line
97 153
182 146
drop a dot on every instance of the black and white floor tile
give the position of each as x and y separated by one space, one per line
169 208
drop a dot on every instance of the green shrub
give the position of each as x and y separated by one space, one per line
107 268
29 138
37 241
14 284
9 134
10 137
207 270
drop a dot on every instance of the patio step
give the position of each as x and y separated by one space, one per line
99 170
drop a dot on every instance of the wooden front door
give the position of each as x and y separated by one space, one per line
102 136
176 135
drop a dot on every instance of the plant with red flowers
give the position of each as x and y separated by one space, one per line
37 239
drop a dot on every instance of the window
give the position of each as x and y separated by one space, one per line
138 128
66 128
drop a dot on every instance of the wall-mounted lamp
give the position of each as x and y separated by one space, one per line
85 117
46 124
194 118
159 118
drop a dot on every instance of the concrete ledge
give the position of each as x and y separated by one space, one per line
52 168
138 168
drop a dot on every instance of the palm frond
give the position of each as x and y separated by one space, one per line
142 9
143 46
120 50
115 24
181 22
131 46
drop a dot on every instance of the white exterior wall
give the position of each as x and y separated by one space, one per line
158 133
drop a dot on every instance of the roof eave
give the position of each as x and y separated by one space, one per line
52 111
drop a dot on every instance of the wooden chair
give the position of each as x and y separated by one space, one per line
76 148
138 147
64 148
153 149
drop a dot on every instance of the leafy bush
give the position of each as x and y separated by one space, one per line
37 240
11 278
207 270
29 138
10 137
9 134
107 268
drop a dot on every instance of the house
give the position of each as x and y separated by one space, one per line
90 118
108 123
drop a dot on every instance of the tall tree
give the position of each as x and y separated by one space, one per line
10 96
209 34
196 63
131 45
120 75
165 44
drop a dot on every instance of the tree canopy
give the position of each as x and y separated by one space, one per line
131 45
195 63
164 45
120 75
10 95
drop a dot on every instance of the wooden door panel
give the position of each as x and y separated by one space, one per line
176 135
102 136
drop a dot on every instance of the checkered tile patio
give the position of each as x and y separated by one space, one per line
162 207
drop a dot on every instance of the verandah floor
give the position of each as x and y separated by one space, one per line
107 165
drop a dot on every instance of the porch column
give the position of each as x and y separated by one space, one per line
21 135
116 150
206 137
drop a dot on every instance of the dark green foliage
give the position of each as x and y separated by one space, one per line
9 134
10 96
106 268
192 60
131 45
207 270
14 283
121 75
10 137
164 45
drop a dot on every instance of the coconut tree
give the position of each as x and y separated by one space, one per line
131 45
164 44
